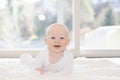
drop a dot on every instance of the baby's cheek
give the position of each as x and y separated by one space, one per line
65 43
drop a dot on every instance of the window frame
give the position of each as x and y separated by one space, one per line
76 50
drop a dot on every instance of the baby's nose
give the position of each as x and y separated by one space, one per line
57 40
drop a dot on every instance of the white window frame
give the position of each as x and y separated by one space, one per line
76 27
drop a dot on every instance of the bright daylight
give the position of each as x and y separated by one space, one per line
59 39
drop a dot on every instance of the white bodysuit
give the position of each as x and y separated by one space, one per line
64 65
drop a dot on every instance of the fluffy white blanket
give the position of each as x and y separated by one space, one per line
84 69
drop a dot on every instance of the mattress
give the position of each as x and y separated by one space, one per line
83 69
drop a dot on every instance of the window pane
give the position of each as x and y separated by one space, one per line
100 24
23 23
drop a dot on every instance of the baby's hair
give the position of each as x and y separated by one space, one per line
49 27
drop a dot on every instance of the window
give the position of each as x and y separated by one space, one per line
23 23
99 28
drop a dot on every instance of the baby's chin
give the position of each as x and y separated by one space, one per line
56 50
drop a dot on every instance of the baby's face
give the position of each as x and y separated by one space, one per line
57 39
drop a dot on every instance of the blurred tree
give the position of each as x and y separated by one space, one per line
25 18
110 17
44 16
10 36
67 9
87 12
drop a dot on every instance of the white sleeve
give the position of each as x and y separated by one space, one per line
39 60
68 65
27 59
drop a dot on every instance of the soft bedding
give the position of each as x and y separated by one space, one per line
84 69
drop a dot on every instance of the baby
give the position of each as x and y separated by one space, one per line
56 58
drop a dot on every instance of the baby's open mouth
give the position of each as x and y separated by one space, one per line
57 46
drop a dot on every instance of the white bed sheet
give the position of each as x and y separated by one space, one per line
84 69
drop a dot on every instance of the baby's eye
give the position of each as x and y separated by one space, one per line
61 37
52 37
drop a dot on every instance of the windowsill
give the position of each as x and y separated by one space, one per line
100 52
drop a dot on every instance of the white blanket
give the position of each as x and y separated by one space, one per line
84 69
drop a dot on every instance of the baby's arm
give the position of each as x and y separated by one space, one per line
27 59
39 63
33 63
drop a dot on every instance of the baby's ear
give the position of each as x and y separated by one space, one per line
68 40
45 40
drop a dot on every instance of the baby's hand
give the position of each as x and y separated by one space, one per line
40 70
